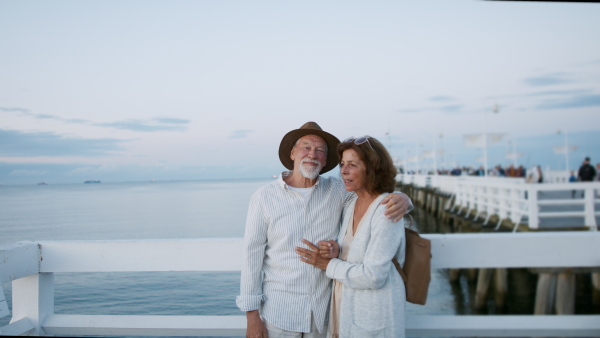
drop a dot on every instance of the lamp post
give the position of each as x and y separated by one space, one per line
495 110
434 156
442 148
566 149
513 152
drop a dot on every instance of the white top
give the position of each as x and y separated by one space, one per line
287 290
373 293
304 192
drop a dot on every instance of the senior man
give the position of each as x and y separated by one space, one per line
293 297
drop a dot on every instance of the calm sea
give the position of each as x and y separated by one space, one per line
155 210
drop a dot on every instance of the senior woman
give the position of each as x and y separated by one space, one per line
368 297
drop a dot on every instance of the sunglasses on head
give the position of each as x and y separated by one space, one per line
359 140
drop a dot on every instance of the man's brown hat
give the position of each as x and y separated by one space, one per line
309 128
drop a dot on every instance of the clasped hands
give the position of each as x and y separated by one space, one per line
319 256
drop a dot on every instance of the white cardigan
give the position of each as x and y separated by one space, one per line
373 294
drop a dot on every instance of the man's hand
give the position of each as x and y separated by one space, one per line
255 327
311 256
329 249
397 205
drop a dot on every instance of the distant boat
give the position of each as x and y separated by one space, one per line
42 183
92 181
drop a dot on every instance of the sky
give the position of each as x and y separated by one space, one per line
192 90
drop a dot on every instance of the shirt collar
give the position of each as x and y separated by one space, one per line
287 173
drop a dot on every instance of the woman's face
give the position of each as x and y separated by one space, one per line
353 170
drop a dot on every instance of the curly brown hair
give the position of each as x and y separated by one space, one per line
381 171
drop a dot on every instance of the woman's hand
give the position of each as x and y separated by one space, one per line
329 249
311 256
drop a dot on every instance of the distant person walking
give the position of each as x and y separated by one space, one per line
535 175
572 179
586 173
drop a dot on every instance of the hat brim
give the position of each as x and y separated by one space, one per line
288 141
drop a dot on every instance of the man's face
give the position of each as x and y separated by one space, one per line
309 155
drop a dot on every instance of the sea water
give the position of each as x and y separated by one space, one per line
152 210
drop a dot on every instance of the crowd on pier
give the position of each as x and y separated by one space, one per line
499 171
586 172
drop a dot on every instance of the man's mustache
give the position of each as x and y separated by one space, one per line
308 160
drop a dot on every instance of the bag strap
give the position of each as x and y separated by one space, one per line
411 220
395 261
397 265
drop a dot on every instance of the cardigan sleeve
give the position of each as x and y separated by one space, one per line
386 238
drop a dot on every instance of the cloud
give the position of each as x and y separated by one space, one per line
171 120
75 121
580 101
154 125
452 109
56 118
22 144
559 92
27 172
441 98
240 133
11 109
24 111
446 109
414 110
44 116
548 79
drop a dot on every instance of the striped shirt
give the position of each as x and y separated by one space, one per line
286 290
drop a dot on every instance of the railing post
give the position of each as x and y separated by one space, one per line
590 214
33 298
532 195
3 305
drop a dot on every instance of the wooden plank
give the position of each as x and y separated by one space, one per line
4 311
142 255
416 325
21 327
505 326
18 260
512 250
494 250
561 214
561 270
33 298
561 202
79 325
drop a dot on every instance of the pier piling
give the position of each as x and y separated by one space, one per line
483 286
500 286
545 292
565 294
556 290
596 288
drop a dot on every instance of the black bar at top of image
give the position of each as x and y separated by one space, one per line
596 1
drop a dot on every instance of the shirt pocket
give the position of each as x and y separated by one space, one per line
359 332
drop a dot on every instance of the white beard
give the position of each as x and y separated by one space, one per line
310 172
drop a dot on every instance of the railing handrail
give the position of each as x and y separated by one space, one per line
484 194
33 275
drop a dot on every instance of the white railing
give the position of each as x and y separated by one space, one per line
513 199
31 267
557 176
448 183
